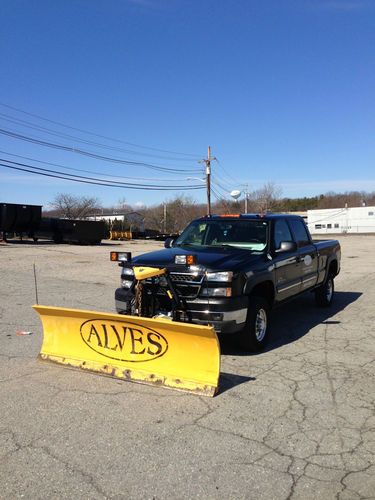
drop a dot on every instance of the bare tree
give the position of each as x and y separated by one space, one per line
227 206
266 198
122 205
153 217
74 207
179 212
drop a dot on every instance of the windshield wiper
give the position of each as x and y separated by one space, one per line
223 245
233 247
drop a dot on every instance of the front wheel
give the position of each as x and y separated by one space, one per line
255 334
324 294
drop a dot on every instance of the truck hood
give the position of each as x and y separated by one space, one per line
218 259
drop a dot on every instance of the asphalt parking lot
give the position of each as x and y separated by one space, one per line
296 421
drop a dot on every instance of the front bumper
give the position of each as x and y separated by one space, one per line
225 314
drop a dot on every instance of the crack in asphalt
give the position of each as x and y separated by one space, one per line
307 420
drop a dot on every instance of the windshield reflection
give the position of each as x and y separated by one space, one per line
249 235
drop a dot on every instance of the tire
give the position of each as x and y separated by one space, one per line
324 294
255 334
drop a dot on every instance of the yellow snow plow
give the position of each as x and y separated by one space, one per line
155 351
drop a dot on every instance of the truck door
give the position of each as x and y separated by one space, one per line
307 254
287 268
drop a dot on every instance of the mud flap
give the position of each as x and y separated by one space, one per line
146 350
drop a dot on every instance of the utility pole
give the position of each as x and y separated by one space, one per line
207 161
208 180
165 218
246 196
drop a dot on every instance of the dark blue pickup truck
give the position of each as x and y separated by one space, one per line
230 270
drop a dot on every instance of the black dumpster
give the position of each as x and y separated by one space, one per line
84 232
19 218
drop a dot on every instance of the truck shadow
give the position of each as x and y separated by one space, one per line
229 380
294 320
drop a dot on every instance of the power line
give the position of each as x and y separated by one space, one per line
217 196
89 180
94 134
219 189
88 171
33 126
328 217
227 174
94 155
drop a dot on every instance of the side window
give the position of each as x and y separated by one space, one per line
300 233
282 233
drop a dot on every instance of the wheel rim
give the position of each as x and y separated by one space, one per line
329 292
260 325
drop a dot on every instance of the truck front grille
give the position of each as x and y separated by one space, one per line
187 285
188 291
186 278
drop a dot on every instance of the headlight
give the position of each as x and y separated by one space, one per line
128 271
185 259
216 292
221 276
121 256
126 283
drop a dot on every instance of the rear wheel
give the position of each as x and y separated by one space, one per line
255 334
324 294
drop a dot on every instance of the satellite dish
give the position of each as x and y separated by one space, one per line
235 194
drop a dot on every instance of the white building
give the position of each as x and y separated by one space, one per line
341 220
132 219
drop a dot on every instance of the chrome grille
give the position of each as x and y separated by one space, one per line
188 291
186 278
187 285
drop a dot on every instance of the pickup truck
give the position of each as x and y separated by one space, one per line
231 270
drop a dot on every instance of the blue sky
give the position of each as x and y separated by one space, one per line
282 90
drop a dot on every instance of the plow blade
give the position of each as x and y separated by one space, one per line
147 350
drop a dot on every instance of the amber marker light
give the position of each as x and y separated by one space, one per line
191 260
185 259
120 256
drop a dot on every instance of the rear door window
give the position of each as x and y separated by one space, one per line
282 233
300 232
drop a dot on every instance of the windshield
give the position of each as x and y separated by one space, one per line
246 234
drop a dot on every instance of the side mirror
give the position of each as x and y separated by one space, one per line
168 243
286 246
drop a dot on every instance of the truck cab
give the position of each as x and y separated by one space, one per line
231 270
